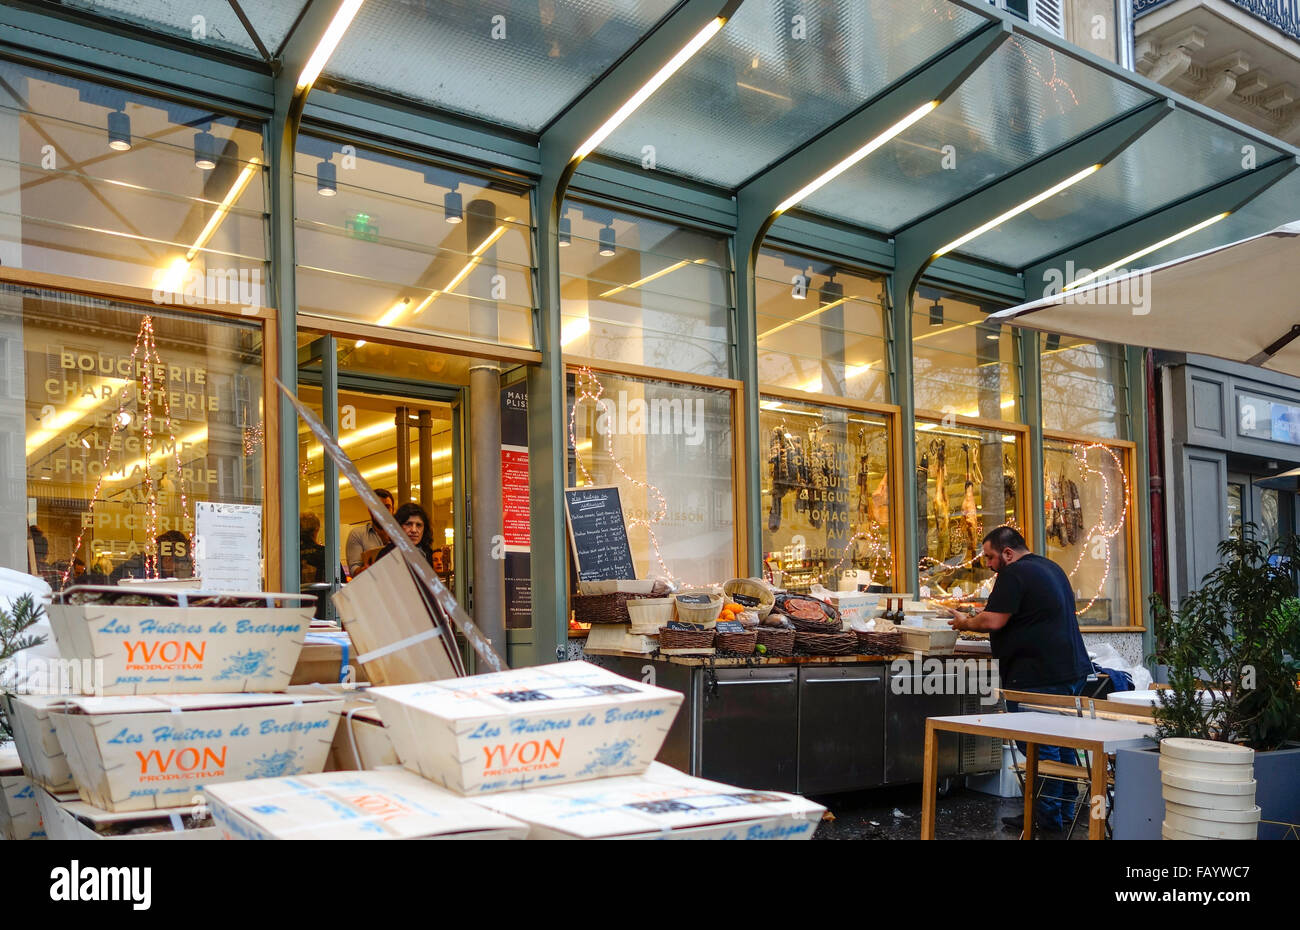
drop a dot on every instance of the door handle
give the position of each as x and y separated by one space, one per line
847 681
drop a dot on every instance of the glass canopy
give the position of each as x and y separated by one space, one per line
773 80
777 76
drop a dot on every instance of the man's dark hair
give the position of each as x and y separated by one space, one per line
386 495
1004 537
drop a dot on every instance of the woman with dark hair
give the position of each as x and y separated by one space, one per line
415 524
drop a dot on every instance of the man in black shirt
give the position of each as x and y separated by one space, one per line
1034 634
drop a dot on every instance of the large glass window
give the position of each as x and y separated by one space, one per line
827 495
667 446
968 481
643 292
110 185
121 419
1084 386
1088 512
400 244
820 328
962 364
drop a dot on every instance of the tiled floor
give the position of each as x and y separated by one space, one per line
895 814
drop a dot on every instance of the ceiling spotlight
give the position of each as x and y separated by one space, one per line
566 232
453 209
994 334
1053 341
119 131
831 294
936 313
205 150
607 240
327 179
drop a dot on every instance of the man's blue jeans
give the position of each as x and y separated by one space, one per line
1055 805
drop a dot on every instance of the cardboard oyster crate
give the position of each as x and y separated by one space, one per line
43 759
143 752
77 820
390 803
661 803
532 726
20 818
181 649
362 742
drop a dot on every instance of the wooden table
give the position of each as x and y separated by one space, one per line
1099 737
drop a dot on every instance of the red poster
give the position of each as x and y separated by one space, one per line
514 496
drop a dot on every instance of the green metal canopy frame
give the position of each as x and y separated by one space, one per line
256 81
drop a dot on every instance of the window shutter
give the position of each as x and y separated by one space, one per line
1048 15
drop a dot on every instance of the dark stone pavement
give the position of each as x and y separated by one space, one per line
895 814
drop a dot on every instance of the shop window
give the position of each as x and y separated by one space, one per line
638 291
820 328
969 480
827 493
110 185
1085 389
390 242
668 447
129 417
1089 520
962 365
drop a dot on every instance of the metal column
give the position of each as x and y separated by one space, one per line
485 517
424 440
402 422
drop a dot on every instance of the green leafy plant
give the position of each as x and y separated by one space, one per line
14 624
1237 639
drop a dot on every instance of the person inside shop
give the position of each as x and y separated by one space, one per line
171 560
1034 634
311 553
367 537
415 524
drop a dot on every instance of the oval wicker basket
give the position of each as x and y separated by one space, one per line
752 587
698 613
603 608
778 642
785 605
685 639
826 644
826 627
880 644
742 643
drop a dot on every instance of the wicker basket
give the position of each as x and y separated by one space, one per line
752 587
880 644
648 614
824 627
784 603
826 644
778 642
603 608
685 639
742 643
699 613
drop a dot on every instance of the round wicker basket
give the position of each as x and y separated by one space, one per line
752 588
777 641
705 612
742 643
880 644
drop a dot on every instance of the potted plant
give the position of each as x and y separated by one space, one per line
14 637
1232 649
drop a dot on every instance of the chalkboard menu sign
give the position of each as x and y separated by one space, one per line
598 533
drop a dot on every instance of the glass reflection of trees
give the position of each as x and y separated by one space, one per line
1084 386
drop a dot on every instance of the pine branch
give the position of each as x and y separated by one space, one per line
22 616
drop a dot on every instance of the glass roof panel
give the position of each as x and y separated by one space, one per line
776 76
1180 155
520 67
206 21
1023 102
1276 206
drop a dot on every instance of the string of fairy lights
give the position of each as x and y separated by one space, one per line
144 360
1105 532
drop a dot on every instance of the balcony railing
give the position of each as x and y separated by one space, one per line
1282 15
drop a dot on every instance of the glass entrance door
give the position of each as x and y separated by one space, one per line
1271 510
404 437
